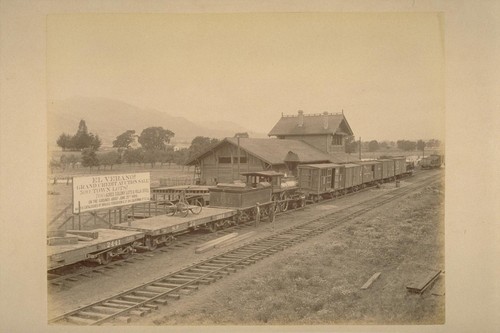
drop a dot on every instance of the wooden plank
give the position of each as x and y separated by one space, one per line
62 241
84 233
236 239
423 282
371 280
211 244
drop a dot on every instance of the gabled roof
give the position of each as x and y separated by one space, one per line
312 124
277 151
272 151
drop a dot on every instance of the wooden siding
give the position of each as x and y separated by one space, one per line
213 172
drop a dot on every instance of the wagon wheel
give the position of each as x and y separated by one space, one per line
105 258
196 208
183 209
151 244
170 208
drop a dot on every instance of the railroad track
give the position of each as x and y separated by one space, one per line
143 299
65 278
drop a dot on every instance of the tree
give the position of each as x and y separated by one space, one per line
89 158
406 145
109 159
95 141
72 160
420 145
242 135
200 144
373 145
351 146
132 155
64 141
180 156
155 138
152 156
124 140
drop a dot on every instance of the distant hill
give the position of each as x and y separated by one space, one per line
109 118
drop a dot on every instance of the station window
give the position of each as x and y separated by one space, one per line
337 140
243 159
224 160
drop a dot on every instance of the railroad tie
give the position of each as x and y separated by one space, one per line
137 313
173 296
123 319
135 298
151 306
161 301
91 315
123 302
79 320
165 285
116 305
145 293
157 289
105 309
145 309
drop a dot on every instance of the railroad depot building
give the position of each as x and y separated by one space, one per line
301 139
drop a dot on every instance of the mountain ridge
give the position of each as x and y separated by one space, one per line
108 118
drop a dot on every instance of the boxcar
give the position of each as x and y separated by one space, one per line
353 176
371 171
317 180
432 161
387 169
399 166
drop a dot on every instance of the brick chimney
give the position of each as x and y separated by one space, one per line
325 120
301 118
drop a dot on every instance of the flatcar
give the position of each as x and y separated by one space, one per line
99 246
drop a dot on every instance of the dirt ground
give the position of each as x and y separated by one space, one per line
318 282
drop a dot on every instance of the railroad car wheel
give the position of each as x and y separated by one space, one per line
127 253
284 201
105 258
151 244
212 227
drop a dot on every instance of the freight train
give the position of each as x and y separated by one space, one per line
262 195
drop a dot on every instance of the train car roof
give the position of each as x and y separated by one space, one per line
321 165
268 173
350 165
368 162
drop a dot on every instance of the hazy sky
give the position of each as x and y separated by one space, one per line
385 70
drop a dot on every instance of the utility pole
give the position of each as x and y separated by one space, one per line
359 147
239 176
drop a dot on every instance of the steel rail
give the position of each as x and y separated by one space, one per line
213 268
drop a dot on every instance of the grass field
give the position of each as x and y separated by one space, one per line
318 283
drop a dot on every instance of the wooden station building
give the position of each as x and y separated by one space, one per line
301 139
